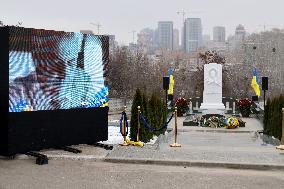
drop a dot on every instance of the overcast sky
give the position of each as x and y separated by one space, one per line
120 17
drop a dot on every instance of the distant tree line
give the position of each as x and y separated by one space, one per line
130 70
265 52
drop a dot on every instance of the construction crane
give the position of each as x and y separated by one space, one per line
183 13
98 25
265 26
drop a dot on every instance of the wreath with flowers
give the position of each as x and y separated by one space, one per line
182 106
244 106
222 122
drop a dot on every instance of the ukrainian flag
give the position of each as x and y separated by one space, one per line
171 83
255 82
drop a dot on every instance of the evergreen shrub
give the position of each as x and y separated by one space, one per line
154 110
272 121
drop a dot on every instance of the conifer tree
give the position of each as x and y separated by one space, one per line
278 117
146 134
270 118
266 117
137 101
157 113
152 111
272 121
140 99
281 114
164 114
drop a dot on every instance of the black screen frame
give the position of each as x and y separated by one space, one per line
21 132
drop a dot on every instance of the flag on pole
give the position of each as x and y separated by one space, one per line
171 83
255 82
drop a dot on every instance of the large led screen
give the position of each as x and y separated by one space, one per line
51 70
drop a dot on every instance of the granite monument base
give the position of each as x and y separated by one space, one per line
213 108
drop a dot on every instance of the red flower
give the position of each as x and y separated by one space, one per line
182 105
244 102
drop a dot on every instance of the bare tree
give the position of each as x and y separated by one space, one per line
265 51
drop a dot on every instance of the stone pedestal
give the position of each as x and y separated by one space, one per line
212 94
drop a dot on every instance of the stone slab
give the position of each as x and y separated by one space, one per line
212 94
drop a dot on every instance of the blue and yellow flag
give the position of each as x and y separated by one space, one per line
255 82
171 83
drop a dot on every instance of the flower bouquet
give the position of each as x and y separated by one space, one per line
220 122
244 106
213 122
182 106
231 123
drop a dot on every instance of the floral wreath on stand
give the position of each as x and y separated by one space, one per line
182 106
244 105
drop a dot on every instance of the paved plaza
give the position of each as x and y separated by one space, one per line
203 161
201 146
206 146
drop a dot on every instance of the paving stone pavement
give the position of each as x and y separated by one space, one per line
209 145
204 146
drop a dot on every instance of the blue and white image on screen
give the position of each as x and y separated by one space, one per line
60 71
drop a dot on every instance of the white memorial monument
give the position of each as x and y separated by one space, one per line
212 94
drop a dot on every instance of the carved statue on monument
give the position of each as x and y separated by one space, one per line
212 78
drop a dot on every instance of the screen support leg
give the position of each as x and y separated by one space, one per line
41 159
105 146
70 149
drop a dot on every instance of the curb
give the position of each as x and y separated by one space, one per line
76 158
215 131
204 164
59 157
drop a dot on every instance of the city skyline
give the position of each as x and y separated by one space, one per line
120 18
